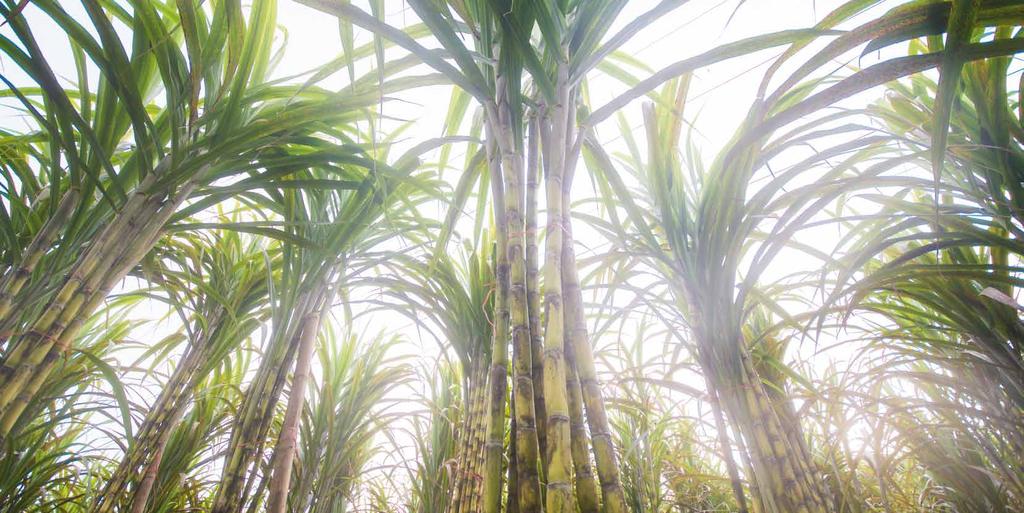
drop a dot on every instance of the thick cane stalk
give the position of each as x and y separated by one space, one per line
252 424
790 426
613 499
512 499
163 416
533 286
16 278
102 266
466 463
465 443
781 483
586 485
498 375
476 480
152 435
471 465
141 496
798 479
525 432
287 440
462 451
559 497
31 349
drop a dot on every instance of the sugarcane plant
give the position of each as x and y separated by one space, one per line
944 277
327 230
104 171
51 467
170 168
711 219
235 272
524 134
345 412
451 298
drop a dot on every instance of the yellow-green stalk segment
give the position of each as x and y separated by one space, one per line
30 350
476 478
801 454
512 497
474 466
109 246
29 376
796 473
533 287
612 497
784 456
253 422
154 429
460 471
559 497
465 463
760 474
140 497
773 385
462 452
106 261
498 375
525 432
764 453
586 485
770 454
82 293
469 463
41 243
287 443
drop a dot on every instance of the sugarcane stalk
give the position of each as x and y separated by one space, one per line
43 241
770 432
460 496
533 288
90 290
756 502
33 348
498 375
586 485
781 484
525 432
153 431
797 485
613 498
791 429
100 264
253 421
140 497
480 439
30 375
559 497
462 452
761 483
512 499
471 468
463 490
287 442
772 458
